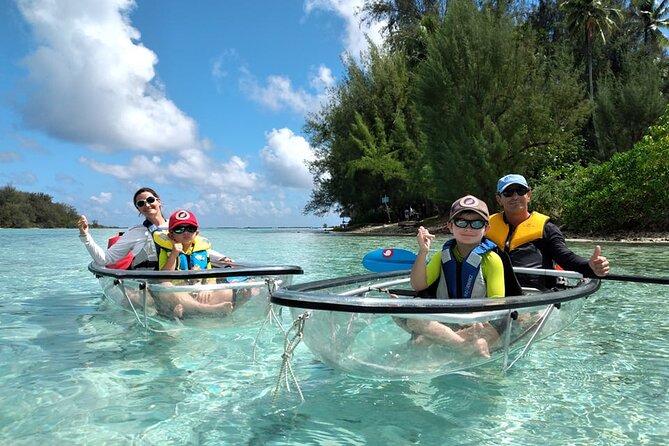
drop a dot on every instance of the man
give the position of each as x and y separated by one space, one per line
532 240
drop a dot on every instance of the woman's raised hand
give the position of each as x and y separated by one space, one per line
83 225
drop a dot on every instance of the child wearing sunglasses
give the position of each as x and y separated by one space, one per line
182 248
466 267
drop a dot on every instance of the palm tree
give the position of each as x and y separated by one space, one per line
589 17
652 17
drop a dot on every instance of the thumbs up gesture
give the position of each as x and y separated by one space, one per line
598 263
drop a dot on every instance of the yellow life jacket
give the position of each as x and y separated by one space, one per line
529 230
196 257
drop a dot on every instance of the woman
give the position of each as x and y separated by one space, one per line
137 239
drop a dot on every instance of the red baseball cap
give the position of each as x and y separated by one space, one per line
182 217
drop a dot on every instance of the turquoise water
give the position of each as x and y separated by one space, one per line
74 370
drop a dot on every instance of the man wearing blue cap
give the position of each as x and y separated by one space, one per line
532 240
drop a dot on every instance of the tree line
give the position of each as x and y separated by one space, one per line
33 210
463 92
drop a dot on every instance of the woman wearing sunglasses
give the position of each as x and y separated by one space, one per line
466 267
532 240
137 240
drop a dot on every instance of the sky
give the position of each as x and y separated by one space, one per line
204 101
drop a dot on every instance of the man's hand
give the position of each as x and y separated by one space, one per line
598 263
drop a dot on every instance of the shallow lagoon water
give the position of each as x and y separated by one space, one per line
75 370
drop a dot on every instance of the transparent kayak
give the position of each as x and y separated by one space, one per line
366 325
217 297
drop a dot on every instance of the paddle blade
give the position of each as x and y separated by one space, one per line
388 259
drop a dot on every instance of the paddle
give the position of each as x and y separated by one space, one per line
394 259
388 259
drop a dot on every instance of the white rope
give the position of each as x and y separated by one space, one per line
289 346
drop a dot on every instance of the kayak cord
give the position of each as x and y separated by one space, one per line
289 346
271 316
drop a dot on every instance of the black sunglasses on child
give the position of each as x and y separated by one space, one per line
520 191
462 223
182 229
148 200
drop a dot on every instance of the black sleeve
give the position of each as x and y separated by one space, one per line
563 256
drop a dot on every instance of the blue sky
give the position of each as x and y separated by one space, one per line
204 101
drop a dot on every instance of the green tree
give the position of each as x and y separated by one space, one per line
27 210
588 18
408 23
368 141
652 16
488 106
628 192
627 104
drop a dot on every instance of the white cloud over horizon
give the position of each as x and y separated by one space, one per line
102 198
285 157
231 175
8 156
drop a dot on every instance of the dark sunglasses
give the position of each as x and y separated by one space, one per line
182 229
147 200
462 223
520 191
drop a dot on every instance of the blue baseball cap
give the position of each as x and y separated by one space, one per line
508 180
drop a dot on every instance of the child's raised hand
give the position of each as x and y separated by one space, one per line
424 239
178 248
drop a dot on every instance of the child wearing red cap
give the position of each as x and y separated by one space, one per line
182 248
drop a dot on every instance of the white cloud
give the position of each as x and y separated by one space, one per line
235 206
138 167
219 71
285 157
323 80
93 82
355 40
26 178
8 156
102 198
192 170
66 179
279 93
30 144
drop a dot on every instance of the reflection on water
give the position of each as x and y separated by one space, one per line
75 370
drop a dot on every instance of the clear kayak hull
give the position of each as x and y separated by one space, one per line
215 298
359 325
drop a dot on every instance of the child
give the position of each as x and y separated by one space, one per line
182 248
465 268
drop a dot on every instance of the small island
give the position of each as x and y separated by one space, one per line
34 210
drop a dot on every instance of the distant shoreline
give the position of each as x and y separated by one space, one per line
409 229
439 227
